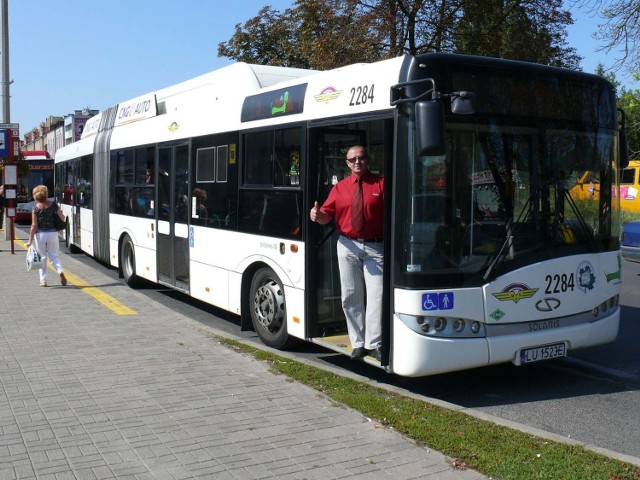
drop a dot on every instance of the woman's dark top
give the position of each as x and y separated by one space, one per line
45 217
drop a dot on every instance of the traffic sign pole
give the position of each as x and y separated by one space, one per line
9 149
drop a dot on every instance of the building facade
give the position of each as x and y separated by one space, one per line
56 132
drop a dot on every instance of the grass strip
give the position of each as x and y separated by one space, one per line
493 450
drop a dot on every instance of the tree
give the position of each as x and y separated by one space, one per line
269 38
330 33
620 31
532 31
314 34
411 26
629 102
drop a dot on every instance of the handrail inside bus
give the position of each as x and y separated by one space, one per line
326 236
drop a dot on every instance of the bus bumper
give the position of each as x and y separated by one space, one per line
415 355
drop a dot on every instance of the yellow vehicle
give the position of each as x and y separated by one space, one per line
588 186
630 187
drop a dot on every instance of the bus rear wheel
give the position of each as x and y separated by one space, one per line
268 309
128 262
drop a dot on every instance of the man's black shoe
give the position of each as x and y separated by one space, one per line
376 354
358 353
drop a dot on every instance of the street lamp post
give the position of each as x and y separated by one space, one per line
6 109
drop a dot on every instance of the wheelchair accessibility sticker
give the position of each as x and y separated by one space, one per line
437 301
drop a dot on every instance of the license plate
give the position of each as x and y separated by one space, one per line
546 352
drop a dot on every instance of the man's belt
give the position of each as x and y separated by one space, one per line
366 240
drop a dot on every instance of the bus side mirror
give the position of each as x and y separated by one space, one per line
463 103
429 128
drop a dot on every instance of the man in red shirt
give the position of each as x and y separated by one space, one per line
356 204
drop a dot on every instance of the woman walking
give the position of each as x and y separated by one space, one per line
44 230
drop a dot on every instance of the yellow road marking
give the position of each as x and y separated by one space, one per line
102 297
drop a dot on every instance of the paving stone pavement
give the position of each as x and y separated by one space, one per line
89 394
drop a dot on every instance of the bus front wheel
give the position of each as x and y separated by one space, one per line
268 309
128 262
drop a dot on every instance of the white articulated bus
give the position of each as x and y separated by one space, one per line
206 187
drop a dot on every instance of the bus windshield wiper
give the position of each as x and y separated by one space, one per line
511 229
581 221
506 246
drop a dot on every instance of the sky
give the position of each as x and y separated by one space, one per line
66 56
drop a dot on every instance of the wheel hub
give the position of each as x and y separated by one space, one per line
267 305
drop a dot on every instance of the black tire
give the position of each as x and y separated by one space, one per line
128 262
268 309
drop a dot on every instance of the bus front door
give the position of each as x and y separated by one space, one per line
173 216
326 166
329 147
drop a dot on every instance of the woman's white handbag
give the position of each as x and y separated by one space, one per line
34 260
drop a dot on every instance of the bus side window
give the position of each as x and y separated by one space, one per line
272 213
213 198
628 176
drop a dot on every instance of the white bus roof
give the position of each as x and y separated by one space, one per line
213 102
77 149
216 106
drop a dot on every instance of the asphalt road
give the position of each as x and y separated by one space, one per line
593 396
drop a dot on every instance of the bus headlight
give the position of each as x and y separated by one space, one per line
607 307
458 325
443 327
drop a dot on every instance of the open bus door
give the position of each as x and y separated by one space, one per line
327 167
326 324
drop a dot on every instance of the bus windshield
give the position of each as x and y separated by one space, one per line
500 198
40 173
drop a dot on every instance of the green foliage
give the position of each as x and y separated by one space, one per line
629 102
491 449
269 38
532 31
314 34
324 34
628 216
23 168
331 34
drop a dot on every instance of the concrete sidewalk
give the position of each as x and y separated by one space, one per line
98 382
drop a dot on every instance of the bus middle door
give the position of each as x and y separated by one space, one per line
173 216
